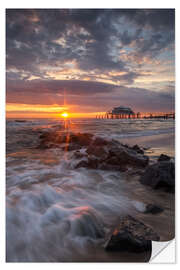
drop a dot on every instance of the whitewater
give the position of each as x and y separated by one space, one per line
56 213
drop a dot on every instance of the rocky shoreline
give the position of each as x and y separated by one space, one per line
93 152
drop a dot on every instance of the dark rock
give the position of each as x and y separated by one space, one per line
112 155
160 175
79 154
163 157
90 163
82 163
72 147
126 145
131 235
93 163
83 139
146 148
138 149
113 160
153 209
52 139
101 152
98 141
129 156
97 151
74 141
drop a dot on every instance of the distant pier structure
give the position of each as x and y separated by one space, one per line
122 112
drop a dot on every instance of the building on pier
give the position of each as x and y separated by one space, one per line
122 110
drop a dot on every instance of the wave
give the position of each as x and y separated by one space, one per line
53 219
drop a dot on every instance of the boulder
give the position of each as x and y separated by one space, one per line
82 139
160 175
163 157
97 151
131 235
153 209
56 138
129 157
112 155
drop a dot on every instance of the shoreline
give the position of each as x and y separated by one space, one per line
119 185
156 144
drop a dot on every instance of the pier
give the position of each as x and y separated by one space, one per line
111 115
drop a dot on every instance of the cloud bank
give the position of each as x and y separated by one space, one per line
97 56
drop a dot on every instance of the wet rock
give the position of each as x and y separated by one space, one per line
90 163
146 148
113 155
72 147
98 141
74 141
163 157
138 149
131 235
153 209
51 139
97 151
160 175
79 154
129 156
82 163
101 152
82 139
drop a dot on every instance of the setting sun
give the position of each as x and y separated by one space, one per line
64 115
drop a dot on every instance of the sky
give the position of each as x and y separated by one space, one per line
87 61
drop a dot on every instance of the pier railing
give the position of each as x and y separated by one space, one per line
110 115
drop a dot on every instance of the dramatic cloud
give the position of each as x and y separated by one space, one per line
87 95
59 87
90 52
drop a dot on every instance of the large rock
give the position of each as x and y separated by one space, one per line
112 155
131 235
160 175
163 157
153 209
128 156
72 140
82 139
100 153
90 163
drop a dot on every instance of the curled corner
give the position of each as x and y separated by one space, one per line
163 252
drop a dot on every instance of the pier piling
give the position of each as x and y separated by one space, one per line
110 115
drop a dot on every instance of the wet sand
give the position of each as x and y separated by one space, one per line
158 144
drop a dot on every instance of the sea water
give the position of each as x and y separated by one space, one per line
58 213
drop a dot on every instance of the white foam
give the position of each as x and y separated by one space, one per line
57 218
140 206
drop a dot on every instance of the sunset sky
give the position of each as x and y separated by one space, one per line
88 61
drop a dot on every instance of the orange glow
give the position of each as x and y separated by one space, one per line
17 110
64 115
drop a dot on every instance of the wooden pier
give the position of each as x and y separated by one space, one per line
110 115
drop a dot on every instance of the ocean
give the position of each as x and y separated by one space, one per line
56 213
